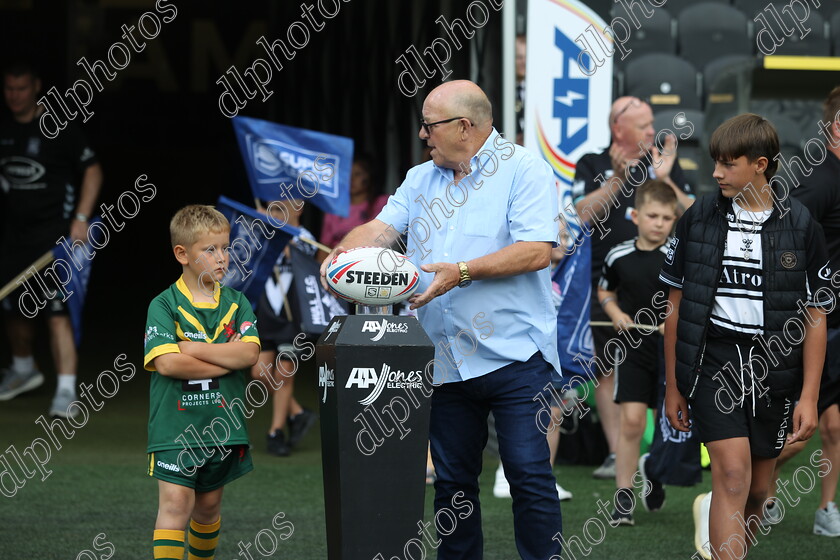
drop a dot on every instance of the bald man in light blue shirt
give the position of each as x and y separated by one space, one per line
480 224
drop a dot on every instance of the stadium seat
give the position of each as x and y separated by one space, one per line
601 7
664 80
654 35
727 82
709 30
677 6
618 83
691 123
815 43
789 131
835 33
751 8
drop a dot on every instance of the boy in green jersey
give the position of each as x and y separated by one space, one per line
201 338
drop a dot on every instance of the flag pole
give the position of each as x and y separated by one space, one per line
631 325
31 270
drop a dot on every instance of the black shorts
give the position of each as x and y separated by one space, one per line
600 337
637 377
830 381
30 300
17 258
726 405
276 331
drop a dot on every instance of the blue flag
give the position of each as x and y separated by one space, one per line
572 278
284 161
316 305
256 242
78 266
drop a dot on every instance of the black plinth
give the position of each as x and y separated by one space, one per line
374 390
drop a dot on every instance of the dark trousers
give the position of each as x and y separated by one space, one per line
458 434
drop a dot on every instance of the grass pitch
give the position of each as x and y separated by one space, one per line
99 499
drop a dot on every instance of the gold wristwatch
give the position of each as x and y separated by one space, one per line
465 279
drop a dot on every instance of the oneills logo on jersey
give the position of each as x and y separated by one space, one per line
384 327
364 378
195 335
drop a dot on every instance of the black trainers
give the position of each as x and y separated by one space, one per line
300 424
622 514
276 444
655 499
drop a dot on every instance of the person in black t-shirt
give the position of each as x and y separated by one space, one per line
820 193
742 275
51 186
603 191
629 292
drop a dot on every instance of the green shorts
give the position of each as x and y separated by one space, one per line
189 467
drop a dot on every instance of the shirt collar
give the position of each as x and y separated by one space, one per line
476 164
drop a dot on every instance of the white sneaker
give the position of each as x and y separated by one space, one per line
702 504
827 521
14 383
62 400
607 469
501 488
771 514
562 493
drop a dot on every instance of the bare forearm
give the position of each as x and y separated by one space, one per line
91 185
813 355
674 297
373 233
184 366
609 304
595 204
521 257
683 200
230 355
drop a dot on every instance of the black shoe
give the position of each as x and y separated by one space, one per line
655 499
276 444
622 514
300 424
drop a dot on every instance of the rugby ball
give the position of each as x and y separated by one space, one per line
372 276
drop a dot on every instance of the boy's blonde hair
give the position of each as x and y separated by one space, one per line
655 190
193 221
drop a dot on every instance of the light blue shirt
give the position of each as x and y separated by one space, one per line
509 196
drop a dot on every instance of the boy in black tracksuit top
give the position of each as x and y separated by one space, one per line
747 272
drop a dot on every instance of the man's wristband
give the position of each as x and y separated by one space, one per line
606 300
80 217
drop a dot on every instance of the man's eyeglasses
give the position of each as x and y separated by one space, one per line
633 102
428 126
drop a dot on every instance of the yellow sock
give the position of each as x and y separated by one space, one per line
169 544
203 540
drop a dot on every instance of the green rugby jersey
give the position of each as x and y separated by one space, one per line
177 404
